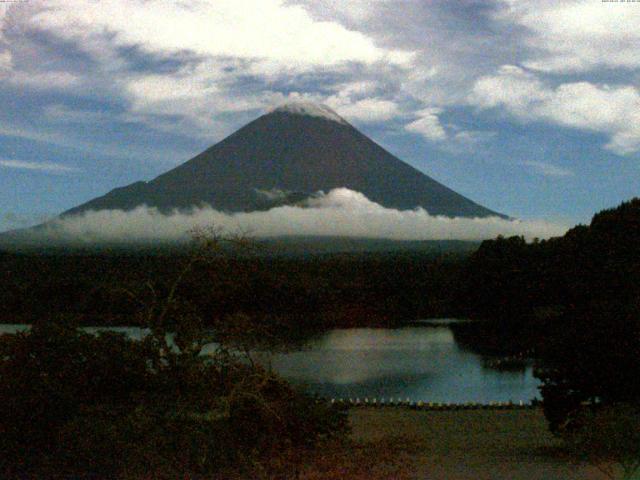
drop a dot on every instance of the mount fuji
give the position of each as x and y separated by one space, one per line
285 157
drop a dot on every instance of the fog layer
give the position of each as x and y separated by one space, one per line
340 212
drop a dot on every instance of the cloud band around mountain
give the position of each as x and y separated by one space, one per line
340 212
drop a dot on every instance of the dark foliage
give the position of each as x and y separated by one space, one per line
302 293
606 436
573 301
75 404
593 359
49 375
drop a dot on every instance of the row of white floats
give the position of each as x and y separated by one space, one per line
420 405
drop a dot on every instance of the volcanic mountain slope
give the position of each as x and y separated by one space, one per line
283 157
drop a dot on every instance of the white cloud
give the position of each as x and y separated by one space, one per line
452 138
200 95
47 80
361 101
548 169
40 166
356 89
577 35
428 125
273 194
6 63
511 86
451 48
465 142
472 138
245 29
611 110
614 110
4 7
197 95
364 110
340 212
198 100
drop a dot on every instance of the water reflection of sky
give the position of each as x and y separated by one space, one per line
420 363
414 362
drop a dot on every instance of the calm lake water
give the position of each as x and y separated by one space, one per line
419 363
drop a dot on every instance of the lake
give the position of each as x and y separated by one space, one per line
418 362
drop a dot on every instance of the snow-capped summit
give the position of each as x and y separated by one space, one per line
310 109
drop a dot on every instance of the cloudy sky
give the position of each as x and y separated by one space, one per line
531 108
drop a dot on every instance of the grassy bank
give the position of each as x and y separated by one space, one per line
457 445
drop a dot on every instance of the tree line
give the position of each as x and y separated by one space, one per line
301 292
